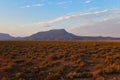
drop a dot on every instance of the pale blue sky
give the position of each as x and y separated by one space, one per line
82 17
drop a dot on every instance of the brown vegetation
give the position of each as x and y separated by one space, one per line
59 60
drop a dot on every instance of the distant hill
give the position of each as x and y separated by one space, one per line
56 34
6 37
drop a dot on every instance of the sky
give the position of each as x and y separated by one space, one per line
80 17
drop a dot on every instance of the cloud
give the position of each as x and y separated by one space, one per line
100 23
88 1
34 5
86 17
38 5
27 6
108 27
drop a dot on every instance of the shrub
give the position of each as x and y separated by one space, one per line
4 78
100 78
18 75
53 76
87 75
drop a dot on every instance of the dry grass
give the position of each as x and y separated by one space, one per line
59 60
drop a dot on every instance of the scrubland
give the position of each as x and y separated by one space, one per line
59 60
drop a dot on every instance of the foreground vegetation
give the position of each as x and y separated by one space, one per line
59 60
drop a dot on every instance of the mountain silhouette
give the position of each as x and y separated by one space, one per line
4 36
56 34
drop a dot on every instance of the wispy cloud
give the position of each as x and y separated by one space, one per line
33 5
38 5
86 18
27 6
88 1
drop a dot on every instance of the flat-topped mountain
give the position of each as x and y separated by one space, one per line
56 34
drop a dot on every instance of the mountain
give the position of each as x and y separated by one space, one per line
56 34
4 36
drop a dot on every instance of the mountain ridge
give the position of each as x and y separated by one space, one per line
4 36
55 34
